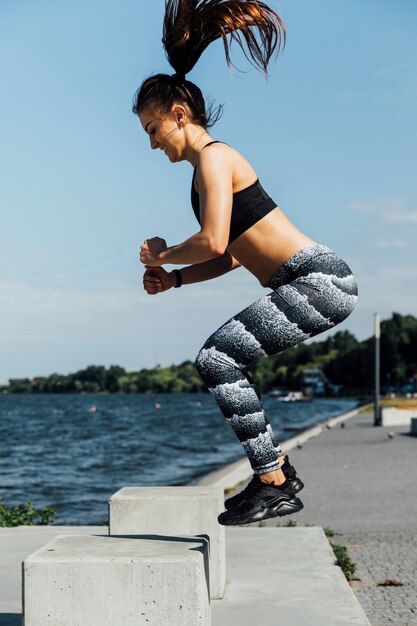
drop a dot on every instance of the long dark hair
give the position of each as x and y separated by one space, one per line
192 25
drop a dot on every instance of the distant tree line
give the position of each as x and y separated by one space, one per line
115 379
345 360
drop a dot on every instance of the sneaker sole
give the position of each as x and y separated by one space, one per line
286 507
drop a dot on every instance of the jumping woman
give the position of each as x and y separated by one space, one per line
311 289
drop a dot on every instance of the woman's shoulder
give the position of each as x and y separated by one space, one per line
220 154
215 156
221 157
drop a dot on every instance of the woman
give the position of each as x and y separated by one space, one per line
312 288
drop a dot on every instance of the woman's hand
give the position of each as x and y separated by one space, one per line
150 251
156 280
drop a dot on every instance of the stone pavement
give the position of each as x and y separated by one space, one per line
380 557
362 483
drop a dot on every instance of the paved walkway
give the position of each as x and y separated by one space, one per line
363 484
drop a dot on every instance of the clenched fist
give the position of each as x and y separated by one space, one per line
156 280
151 249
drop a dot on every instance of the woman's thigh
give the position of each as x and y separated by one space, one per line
291 313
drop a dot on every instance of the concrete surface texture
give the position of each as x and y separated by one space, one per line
275 577
397 417
15 545
102 581
284 577
174 511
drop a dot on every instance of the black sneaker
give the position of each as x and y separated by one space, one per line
289 473
262 501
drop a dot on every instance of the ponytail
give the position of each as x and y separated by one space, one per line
190 26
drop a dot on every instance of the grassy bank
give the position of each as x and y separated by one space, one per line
396 403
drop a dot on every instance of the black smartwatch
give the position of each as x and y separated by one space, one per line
178 277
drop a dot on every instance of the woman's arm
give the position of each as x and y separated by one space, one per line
214 175
156 279
214 268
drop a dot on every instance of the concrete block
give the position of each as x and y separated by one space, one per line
413 430
397 417
93 580
174 511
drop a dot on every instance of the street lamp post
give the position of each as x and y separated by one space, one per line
377 409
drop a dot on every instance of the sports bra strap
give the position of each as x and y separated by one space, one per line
211 143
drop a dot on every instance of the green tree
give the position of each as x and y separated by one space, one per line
112 378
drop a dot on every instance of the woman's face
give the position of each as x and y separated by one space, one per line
165 132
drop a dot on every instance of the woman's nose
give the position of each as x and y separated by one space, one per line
154 143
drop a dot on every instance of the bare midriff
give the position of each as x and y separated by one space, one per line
266 245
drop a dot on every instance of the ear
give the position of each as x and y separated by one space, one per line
180 113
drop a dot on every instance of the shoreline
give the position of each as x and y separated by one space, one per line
231 475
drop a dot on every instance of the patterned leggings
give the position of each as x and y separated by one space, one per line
312 291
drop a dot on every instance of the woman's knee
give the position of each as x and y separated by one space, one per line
205 362
215 366
199 363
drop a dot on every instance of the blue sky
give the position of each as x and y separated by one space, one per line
332 135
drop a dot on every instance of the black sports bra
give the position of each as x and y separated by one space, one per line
249 205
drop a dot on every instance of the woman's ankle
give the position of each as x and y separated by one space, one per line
277 477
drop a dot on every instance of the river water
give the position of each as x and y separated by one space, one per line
73 452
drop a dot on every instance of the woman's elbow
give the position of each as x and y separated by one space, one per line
218 248
215 243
